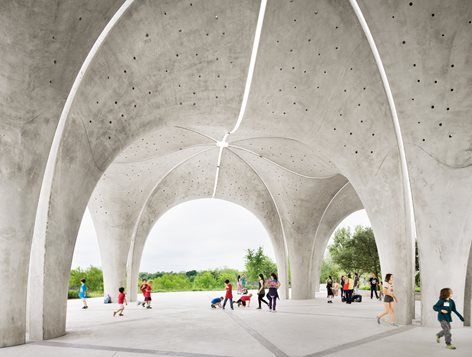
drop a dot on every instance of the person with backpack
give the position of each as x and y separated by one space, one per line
83 293
445 306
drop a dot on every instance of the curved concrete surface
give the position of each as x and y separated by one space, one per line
155 110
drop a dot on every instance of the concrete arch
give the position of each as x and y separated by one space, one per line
343 203
46 44
167 195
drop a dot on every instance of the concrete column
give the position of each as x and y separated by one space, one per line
342 205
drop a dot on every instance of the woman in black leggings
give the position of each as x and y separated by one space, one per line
261 292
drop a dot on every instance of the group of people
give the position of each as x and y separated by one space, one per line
445 306
272 284
347 286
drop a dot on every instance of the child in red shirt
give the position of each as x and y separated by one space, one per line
229 294
121 301
244 300
146 289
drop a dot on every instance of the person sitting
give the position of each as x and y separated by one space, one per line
216 302
244 300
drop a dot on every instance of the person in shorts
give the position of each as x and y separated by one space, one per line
121 302
389 300
146 290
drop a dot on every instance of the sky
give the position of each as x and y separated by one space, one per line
200 234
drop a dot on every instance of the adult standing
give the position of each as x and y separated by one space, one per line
356 281
374 283
273 284
349 286
261 292
329 288
341 287
389 300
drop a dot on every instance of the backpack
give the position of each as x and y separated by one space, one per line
357 298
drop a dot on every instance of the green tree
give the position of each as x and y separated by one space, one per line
204 281
257 262
356 252
329 268
172 282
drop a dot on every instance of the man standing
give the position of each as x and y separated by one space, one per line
374 283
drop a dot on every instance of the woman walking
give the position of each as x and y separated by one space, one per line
329 287
261 292
389 300
273 284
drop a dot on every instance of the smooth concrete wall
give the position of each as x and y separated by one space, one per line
425 48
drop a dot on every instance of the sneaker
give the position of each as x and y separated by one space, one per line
149 307
114 313
259 308
378 320
450 347
84 307
121 315
438 339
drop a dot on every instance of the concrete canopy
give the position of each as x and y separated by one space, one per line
147 126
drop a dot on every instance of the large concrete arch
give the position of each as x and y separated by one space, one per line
44 46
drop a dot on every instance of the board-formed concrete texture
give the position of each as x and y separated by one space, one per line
301 111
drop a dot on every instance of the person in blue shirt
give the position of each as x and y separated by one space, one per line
445 306
216 302
83 293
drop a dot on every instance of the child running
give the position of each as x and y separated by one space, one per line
229 294
121 302
83 293
444 307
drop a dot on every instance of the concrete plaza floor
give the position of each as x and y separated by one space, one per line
182 324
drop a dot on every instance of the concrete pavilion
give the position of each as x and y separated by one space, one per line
301 111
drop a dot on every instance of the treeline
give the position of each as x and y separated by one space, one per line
191 280
256 262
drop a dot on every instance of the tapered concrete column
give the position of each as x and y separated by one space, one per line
342 205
